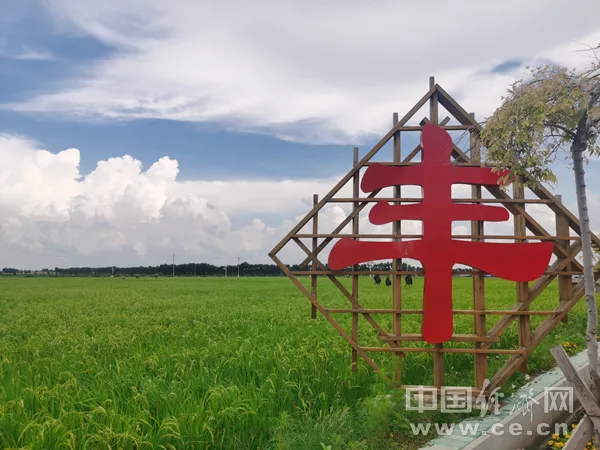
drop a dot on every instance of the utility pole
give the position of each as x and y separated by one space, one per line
195 264
225 271
173 265
238 258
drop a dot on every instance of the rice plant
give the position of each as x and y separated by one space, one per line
209 363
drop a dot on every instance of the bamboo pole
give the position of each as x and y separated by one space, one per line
454 236
438 357
442 350
313 284
565 282
480 359
397 265
419 200
522 287
398 272
355 224
492 312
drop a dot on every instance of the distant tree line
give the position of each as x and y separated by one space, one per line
200 270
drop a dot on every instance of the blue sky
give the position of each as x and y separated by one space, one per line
243 101
204 150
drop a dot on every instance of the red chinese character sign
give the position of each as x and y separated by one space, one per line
437 251
520 257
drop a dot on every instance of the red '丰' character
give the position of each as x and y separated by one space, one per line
437 251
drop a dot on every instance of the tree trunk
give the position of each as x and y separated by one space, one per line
577 148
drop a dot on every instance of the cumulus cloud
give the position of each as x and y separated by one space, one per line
123 213
312 71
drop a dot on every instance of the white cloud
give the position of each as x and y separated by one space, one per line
313 71
29 54
122 213
25 53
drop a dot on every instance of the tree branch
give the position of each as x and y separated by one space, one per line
550 124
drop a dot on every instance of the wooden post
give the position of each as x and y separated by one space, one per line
478 276
581 435
522 288
397 265
565 282
438 357
433 103
356 194
580 388
313 281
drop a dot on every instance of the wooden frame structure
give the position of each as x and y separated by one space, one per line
566 239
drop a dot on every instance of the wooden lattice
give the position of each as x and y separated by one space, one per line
566 248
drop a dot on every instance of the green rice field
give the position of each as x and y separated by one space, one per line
216 363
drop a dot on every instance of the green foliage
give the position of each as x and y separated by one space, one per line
539 120
215 363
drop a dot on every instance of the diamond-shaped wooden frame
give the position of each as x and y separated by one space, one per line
564 268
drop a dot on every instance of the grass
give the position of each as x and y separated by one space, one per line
214 363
